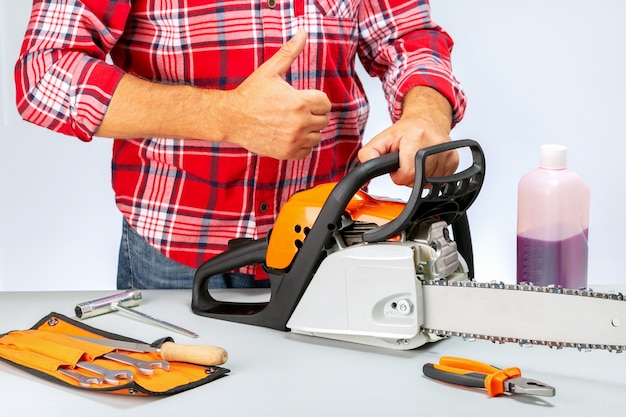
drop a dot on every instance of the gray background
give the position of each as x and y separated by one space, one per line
534 71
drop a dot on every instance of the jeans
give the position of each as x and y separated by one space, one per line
141 266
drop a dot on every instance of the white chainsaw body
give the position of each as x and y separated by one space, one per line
371 294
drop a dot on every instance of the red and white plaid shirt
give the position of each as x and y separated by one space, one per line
188 198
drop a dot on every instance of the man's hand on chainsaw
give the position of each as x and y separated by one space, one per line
425 121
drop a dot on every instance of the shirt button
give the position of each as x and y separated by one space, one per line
271 3
264 207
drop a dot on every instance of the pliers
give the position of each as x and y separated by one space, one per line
470 373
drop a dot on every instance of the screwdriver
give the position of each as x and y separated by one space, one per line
474 374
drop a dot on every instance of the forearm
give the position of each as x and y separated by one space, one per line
288 129
427 104
141 108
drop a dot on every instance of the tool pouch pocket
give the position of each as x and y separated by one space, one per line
48 351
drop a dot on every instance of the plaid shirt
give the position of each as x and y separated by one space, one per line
188 198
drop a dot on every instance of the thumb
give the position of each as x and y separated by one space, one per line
281 61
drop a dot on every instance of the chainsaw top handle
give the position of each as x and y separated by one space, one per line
446 197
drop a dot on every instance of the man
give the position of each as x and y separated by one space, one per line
222 110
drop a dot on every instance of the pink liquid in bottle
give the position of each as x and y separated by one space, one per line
553 223
561 262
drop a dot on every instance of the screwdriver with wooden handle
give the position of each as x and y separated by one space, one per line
169 351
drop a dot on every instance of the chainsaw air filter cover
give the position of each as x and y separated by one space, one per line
297 217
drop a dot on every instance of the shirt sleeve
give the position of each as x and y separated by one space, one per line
63 81
401 45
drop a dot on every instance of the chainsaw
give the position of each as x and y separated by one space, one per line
348 266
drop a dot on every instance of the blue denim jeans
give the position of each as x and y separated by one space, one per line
141 266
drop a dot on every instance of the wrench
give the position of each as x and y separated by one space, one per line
83 380
112 377
144 367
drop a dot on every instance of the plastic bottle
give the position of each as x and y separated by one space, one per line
553 223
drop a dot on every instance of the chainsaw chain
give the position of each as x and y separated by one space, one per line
583 292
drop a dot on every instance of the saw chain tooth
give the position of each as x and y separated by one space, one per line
585 292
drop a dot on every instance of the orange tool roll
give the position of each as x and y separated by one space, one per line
49 351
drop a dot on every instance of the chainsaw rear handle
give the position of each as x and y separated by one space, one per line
248 252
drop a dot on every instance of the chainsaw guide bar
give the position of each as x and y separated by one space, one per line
526 314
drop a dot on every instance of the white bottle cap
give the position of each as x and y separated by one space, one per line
553 157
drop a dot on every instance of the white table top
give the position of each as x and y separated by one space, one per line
277 373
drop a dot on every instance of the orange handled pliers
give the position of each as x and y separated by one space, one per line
476 374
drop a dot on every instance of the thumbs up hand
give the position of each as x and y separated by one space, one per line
270 117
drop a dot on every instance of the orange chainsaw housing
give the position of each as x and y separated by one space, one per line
298 215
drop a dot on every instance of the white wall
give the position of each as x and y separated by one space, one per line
59 228
535 71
